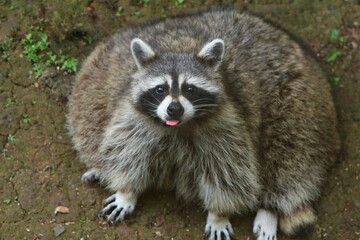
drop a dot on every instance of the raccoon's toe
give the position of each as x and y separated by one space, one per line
117 207
218 228
299 223
265 225
91 176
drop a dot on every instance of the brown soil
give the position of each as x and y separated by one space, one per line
39 170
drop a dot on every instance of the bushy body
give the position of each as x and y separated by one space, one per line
220 106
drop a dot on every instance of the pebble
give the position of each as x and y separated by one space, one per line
356 117
58 230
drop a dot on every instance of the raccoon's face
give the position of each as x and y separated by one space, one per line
174 88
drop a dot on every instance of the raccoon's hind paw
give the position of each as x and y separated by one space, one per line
91 176
265 225
218 228
117 207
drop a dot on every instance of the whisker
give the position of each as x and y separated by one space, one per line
151 104
155 98
205 105
203 99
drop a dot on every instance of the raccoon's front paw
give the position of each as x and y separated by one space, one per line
265 225
218 228
117 207
91 176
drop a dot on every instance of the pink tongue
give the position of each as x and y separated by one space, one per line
172 122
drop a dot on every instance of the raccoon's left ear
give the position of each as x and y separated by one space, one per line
212 53
141 52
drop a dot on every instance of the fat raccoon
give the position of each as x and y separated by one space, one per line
220 106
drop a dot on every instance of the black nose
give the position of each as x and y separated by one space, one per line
175 110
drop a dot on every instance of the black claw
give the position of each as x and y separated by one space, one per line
228 230
273 238
113 219
216 236
112 209
110 201
223 235
207 233
101 215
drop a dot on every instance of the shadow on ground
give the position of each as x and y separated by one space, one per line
39 171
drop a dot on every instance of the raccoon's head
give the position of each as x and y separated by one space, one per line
175 88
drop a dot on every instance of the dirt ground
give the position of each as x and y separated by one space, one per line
39 171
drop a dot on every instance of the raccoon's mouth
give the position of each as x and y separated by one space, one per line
172 122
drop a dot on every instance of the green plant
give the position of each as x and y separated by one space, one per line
52 170
336 37
179 2
338 41
144 2
137 13
25 118
10 137
5 49
164 13
68 64
120 11
7 201
333 55
334 80
36 49
9 102
88 39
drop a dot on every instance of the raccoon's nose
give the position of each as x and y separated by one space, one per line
175 110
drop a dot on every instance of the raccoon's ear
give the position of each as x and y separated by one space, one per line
212 53
141 52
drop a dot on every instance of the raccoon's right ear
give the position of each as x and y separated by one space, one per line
212 53
141 52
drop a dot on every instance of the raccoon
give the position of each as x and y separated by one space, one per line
220 106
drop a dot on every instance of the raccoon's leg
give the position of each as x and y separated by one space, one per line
265 225
218 227
91 175
118 206
300 222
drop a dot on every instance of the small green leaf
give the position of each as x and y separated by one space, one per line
341 40
25 118
334 81
9 102
137 13
52 170
333 55
179 2
10 137
7 201
120 11
334 35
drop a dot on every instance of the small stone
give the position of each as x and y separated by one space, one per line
61 209
356 117
58 230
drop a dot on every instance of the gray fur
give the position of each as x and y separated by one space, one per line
268 144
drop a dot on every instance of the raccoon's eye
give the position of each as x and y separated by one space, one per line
189 89
160 90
